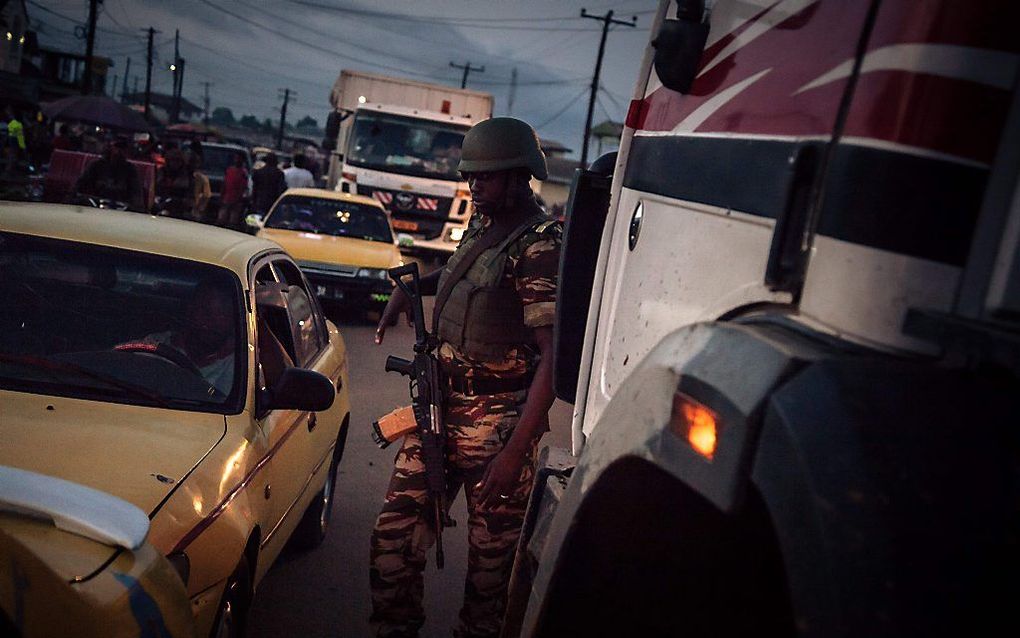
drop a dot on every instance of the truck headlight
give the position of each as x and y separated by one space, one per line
373 273
456 234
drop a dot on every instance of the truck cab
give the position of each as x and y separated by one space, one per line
797 389
407 159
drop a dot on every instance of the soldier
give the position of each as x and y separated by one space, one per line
495 348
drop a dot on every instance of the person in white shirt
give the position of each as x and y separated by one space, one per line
298 176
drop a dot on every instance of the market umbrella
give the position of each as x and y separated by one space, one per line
95 109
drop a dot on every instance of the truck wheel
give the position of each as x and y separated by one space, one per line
649 557
232 615
311 531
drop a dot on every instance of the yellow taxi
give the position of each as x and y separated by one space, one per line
77 565
342 242
186 370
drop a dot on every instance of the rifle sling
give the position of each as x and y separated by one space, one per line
495 234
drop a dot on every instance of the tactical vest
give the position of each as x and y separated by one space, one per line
483 317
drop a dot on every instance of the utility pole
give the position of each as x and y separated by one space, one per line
115 78
513 92
175 68
283 117
135 90
180 88
127 70
148 73
606 20
90 44
467 69
205 103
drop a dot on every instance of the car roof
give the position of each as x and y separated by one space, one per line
323 193
135 231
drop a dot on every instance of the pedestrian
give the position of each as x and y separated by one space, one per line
235 184
496 355
175 183
202 189
297 175
267 184
112 177
15 139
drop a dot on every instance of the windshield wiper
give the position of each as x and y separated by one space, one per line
50 366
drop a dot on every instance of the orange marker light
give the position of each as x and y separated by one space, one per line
695 423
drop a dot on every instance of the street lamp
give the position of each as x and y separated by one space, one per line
173 67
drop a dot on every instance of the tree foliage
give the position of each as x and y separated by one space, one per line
222 115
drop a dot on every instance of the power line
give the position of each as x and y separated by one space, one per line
470 23
309 44
612 99
562 110
389 53
331 36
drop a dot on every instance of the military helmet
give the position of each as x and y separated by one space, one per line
502 143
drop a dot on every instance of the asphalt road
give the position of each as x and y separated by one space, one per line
325 592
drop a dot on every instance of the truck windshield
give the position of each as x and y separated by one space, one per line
405 145
330 217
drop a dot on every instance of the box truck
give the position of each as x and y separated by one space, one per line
399 141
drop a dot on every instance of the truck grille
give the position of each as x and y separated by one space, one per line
404 203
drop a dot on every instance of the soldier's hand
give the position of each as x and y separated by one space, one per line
500 482
398 303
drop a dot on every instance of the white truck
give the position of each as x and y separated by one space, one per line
790 326
399 141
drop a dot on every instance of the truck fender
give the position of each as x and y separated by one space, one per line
729 367
892 488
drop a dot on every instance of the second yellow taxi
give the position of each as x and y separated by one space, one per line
342 242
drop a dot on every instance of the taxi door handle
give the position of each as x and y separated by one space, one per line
312 422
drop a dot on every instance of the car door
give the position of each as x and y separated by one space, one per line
291 332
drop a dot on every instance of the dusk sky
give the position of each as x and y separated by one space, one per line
249 49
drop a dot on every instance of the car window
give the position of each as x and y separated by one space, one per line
120 326
330 217
306 321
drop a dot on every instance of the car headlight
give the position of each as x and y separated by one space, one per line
373 273
181 564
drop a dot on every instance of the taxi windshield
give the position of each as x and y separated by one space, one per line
330 217
114 325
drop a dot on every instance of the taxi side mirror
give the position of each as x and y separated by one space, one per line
300 389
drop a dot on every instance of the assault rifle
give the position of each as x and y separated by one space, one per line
427 403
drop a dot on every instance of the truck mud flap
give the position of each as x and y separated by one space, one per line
555 465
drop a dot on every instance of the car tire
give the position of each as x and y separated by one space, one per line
232 615
311 531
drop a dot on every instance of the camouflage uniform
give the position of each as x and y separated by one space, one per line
477 429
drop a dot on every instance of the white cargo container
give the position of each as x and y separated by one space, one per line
399 141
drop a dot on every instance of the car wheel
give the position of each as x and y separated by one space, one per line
311 531
232 615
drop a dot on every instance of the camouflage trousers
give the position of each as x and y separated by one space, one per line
477 429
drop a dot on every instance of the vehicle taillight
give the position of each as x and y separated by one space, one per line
695 423
351 177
